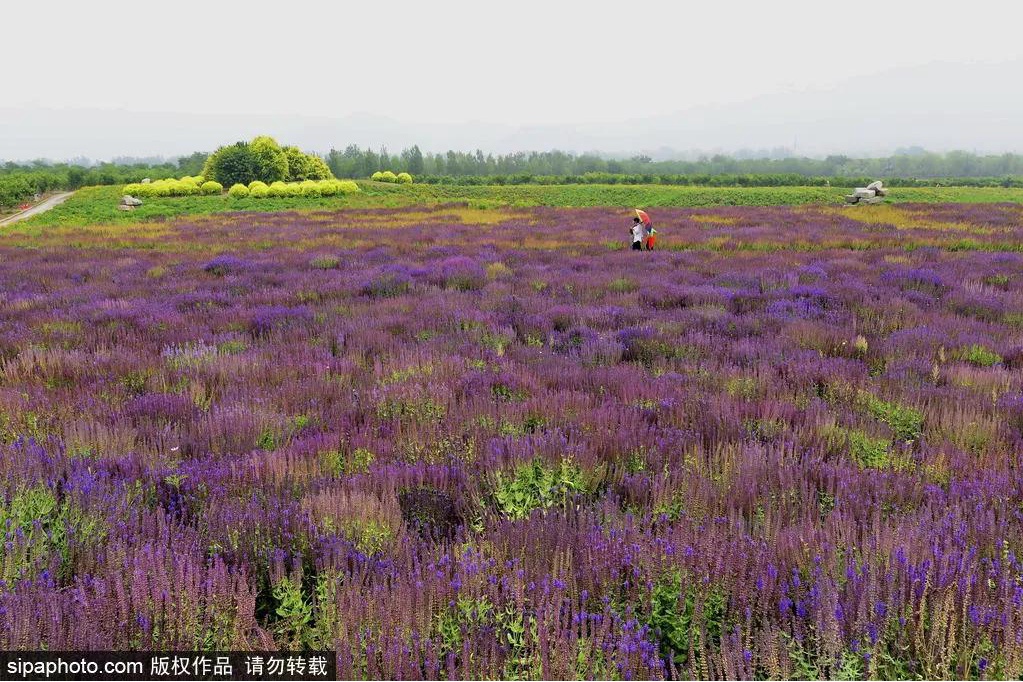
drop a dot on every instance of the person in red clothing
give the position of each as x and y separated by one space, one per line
651 237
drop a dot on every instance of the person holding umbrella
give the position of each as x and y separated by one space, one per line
648 229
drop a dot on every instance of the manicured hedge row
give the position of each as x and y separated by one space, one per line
389 176
190 186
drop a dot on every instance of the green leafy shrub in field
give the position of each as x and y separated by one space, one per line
44 528
535 485
238 191
211 187
310 188
978 355
278 189
388 176
906 423
404 179
340 463
325 262
622 285
869 452
678 616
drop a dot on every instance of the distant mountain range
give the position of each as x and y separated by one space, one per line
975 107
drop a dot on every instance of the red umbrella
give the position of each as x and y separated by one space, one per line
643 217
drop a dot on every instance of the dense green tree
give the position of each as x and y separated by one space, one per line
271 160
302 166
231 165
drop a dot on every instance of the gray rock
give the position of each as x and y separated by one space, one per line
128 200
878 188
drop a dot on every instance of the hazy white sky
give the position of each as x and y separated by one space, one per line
522 62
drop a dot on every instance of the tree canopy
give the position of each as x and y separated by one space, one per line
264 160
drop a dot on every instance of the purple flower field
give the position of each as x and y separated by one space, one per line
492 443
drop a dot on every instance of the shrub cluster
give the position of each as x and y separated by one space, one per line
264 160
389 176
169 187
306 188
257 189
238 191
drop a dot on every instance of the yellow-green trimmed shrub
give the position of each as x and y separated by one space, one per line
404 179
278 189
376 176
327 188
161 189
348 187
184 187
310 188
211 187
388 176
238 191
258 189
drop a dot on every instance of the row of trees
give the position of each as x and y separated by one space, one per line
263 159
19 182
717 180
355 162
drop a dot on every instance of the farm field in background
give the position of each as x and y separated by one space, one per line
481 439
98 205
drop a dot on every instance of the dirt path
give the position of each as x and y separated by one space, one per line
42 206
